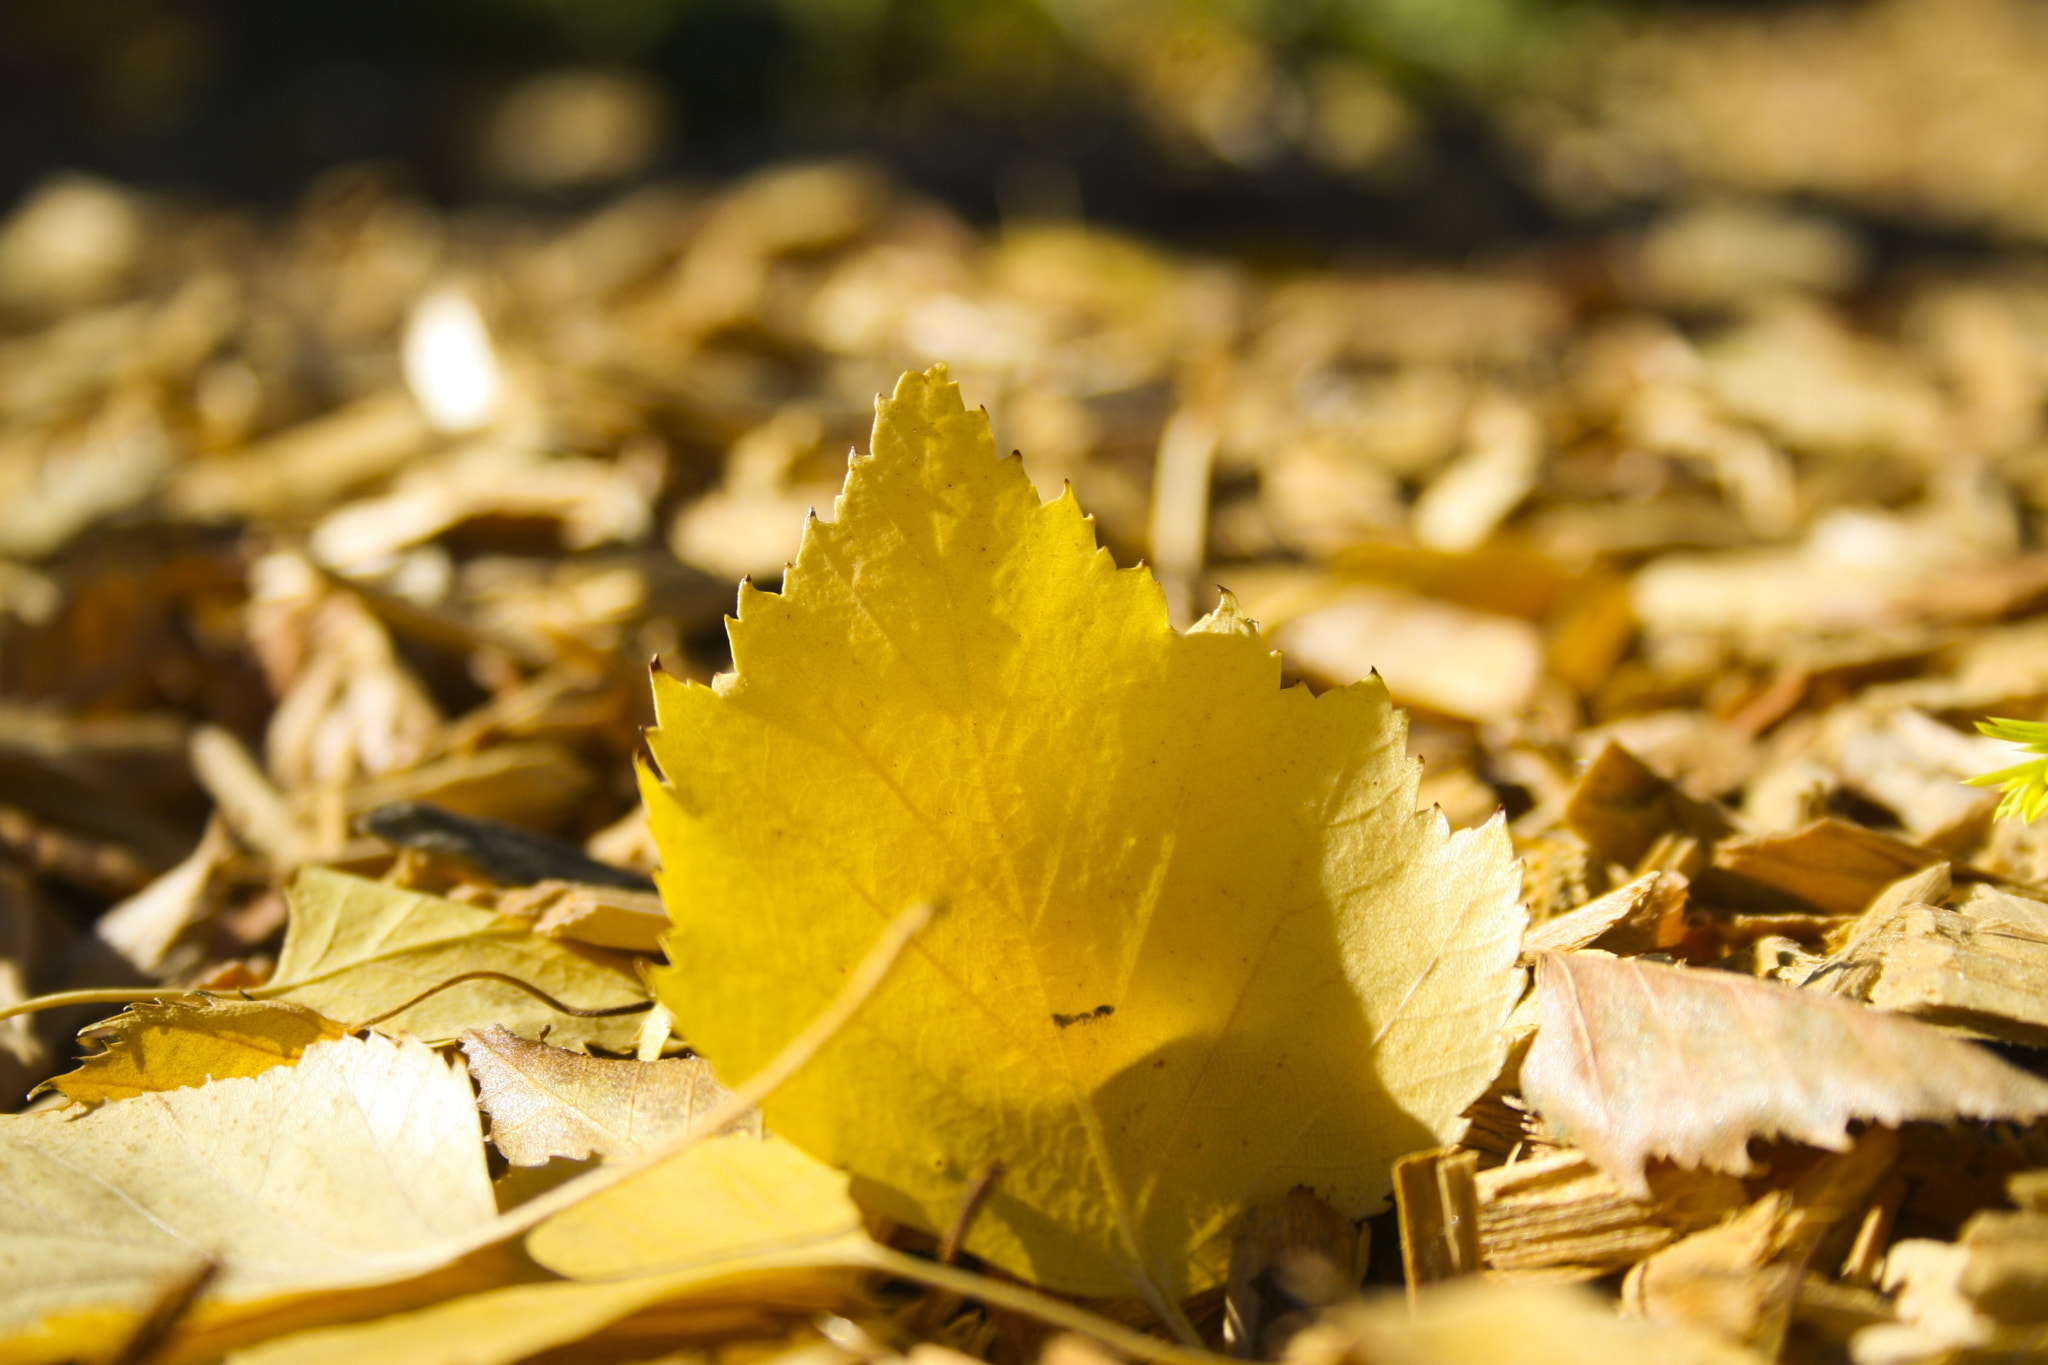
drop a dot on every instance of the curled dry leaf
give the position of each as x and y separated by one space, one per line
1634 1060
546 1102
360 1166
172 1044
1199 946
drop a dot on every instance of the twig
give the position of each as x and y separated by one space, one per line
112 995
970 1205
173 1302
1020 1299
607 1012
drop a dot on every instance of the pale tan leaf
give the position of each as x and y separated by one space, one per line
546 1102
362 1165
1634 1060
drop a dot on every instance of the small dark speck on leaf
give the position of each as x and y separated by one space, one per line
1099 1012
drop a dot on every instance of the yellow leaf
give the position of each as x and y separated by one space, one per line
739 1202
1198 948
357 948
717 1200
506 1325
547 1102
362 1165
737 1224
730 1226
169 1045
1474 1322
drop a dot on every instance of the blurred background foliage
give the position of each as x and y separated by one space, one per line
1248 123
1276 129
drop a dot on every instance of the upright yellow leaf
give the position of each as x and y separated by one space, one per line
1198 947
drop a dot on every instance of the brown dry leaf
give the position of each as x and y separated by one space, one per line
1635 1060
173 1044
154 928
546 1102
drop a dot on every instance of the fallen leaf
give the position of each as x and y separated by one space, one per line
1435 654
736 1200
718 1199
546 1102
1634 1060
361 1165
717 1238
1199 945
173 1044
515 1323
1472 1322
357 948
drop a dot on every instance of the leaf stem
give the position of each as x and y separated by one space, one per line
113 995
970 1205
1022 1299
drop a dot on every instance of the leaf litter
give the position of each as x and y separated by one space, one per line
1705 578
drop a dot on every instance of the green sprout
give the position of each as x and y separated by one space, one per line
2026 784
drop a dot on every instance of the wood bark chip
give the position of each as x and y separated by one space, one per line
1439 1216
